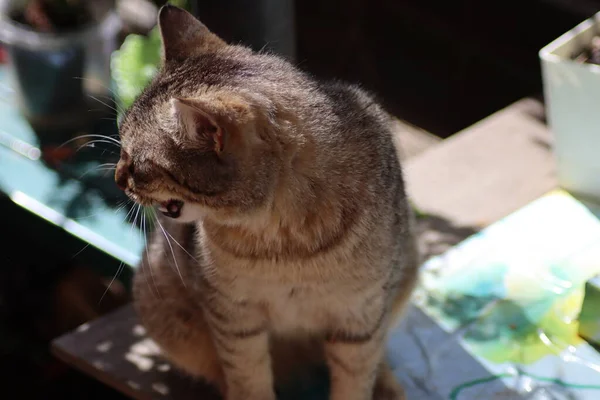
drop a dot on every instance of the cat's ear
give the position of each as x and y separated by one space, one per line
183 35
199 121
212 118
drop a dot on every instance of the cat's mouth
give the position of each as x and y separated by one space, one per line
171 208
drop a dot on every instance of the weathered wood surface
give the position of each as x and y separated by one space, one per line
487 171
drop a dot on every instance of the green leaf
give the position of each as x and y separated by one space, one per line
180 3
134 65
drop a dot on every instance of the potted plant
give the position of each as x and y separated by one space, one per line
571 78
59 58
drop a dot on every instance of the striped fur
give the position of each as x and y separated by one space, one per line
296 244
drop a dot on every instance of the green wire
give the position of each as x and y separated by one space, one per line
456 391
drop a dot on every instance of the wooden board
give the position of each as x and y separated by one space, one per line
115 350
412 140
487 171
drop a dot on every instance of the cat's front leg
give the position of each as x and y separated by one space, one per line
354 355
242 343
353 368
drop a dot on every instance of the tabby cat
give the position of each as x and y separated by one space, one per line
285 238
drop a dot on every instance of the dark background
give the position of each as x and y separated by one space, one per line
441 65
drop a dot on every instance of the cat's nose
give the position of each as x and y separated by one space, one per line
122 173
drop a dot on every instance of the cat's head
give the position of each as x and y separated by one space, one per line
202 135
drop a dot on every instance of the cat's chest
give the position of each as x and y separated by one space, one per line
291 308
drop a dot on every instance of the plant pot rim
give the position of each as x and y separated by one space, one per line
549 52
15 34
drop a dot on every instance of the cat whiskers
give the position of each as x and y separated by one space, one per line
120 206
121 264
115 94
172 251
119 270
182 248
101 167
177 243
80 251
104 104
92 143
108 139
143 228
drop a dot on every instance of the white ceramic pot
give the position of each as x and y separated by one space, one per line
572 96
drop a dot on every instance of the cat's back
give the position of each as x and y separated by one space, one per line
357 138
358 112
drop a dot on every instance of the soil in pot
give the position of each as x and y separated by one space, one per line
590 54
48 79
